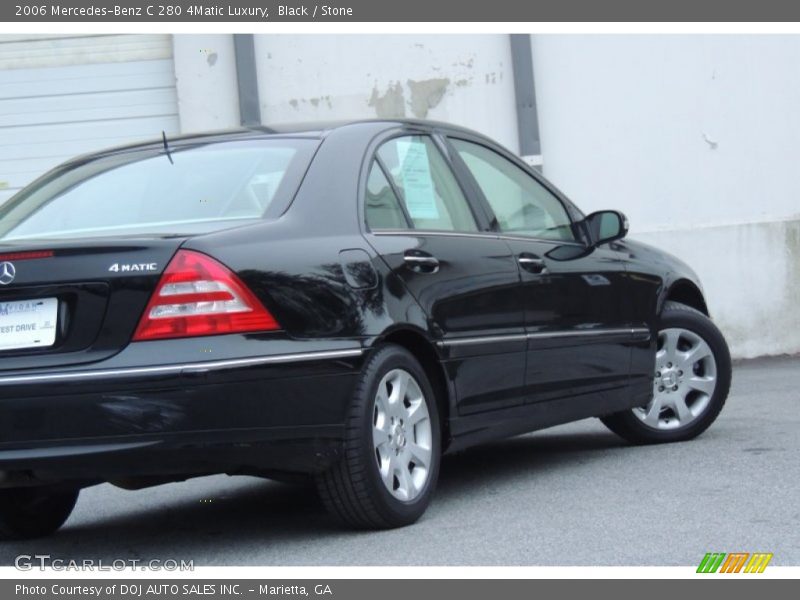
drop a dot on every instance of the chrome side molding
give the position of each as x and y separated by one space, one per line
633 332
180 369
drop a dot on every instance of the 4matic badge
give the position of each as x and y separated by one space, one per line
132 267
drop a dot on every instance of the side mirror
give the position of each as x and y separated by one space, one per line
606 226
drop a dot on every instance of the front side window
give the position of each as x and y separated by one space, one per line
522 205
202 188
430 194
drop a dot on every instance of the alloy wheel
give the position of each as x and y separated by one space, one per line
684 382
401 435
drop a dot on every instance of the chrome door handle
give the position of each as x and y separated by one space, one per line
532 264
422 262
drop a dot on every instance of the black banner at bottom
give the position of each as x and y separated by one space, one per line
392 589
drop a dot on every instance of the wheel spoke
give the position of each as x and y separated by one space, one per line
405 480
388 467
705 385
399 388
419 454
670 346
697 353
380 435
380 426
416 412
382 400
653 411
682 410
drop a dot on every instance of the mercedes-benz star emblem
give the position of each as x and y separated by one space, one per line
7 273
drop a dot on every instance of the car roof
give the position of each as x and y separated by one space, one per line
309 130
321 128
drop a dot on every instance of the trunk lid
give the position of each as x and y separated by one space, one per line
72 302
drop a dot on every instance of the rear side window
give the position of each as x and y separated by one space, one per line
383 206
428 190
203 187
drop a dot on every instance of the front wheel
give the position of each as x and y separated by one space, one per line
690 385
392 446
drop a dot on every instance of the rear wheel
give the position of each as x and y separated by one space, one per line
691 381
392 448
32 512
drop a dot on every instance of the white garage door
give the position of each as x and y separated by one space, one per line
64 96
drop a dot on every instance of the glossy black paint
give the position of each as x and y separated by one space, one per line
512 346
472 293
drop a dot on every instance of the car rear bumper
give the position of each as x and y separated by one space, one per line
281 411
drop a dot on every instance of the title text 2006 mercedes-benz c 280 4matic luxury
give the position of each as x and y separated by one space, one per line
345 302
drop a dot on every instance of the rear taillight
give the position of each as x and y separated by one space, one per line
198 296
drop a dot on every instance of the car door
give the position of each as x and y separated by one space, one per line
577 324
465 279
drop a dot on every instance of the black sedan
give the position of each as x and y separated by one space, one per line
343 302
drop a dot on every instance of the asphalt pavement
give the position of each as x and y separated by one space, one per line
571 495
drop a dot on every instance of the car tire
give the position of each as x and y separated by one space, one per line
391 431
32 512
680 412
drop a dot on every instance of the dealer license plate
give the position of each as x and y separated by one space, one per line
28 323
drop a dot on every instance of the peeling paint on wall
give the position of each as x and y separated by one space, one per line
426 94
315 102
211 57
430 77
389 105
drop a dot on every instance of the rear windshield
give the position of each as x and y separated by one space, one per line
193 188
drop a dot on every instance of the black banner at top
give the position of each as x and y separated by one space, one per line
40 11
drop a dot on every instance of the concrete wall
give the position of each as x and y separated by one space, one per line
751 275
205 74
696 138
456 78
